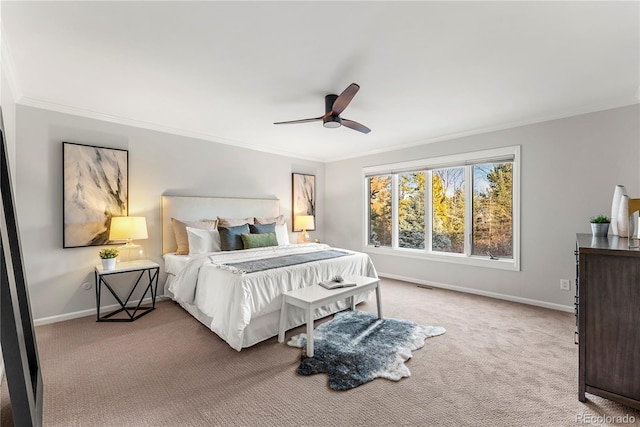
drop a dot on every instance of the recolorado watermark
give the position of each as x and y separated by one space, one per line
605 419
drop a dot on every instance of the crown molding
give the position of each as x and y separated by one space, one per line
595 108
96 115
66 109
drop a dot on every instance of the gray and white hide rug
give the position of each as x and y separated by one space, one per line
356 347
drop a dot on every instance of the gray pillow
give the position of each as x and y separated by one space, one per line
262 228
231 237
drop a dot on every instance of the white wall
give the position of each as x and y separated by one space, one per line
569 170
159 164
7 100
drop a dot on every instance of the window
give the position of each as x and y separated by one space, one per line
380 210
411 197
493 210
461 208
447 207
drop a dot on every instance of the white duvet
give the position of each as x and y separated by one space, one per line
232 300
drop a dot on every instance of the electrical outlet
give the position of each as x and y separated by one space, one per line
86 286
565 284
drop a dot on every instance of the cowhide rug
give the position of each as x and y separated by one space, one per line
356 347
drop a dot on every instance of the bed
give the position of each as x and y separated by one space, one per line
237 294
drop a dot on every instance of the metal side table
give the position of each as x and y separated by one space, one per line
144 267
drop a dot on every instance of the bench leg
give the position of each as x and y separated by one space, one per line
310 331
283 317
379 301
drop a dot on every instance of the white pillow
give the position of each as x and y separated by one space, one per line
282 234
203 241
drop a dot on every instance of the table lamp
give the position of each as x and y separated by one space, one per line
304 222
129 228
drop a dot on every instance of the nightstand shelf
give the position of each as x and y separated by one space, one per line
143 268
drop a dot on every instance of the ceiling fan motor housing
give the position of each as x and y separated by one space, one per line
328 102
331 121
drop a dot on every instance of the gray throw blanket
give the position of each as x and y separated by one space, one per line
282 261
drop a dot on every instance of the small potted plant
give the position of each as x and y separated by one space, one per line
600 225
108 256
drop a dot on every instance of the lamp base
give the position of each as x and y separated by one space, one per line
130 252
303 237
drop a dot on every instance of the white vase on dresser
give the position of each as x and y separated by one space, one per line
625 226
618 192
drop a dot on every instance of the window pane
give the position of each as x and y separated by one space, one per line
493 210
448 210
411 210
380 210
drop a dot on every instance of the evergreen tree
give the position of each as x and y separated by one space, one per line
493 211
411 199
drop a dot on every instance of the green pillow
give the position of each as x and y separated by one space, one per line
259 240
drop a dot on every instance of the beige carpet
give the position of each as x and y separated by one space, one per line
499 364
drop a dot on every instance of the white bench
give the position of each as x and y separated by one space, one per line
312 297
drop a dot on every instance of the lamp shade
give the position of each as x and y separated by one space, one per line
128 228
304 222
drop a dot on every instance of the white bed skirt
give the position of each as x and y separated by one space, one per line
244 309
266 326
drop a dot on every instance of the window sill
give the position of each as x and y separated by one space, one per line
500 264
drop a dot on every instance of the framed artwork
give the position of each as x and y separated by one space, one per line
96 187
304 197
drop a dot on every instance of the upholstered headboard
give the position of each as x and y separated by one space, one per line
187 208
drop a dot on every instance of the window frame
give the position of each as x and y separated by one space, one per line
496 155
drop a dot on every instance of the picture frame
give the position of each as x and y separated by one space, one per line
96 188
303 194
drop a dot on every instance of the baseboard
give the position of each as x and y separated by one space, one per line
559 307
85 313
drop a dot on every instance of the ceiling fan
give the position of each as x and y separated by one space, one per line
334 105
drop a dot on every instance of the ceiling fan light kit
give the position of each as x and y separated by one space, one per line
332 122
333 106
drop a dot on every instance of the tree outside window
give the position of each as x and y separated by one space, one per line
493 210
466 208
380 210
411 195
447 203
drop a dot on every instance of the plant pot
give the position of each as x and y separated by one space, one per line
600 229
108 263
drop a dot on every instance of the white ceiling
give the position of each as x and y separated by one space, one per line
225 71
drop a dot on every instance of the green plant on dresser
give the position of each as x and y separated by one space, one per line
600 225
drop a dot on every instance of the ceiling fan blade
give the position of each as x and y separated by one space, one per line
299 121
344 99
355 126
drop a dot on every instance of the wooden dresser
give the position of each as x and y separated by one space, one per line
608 319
